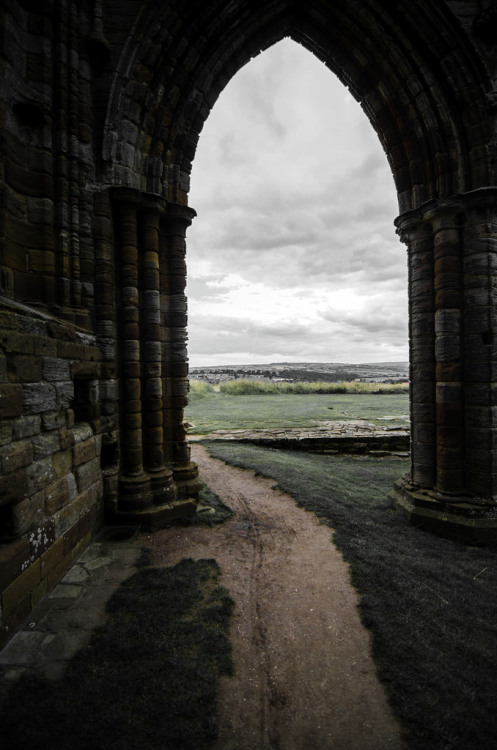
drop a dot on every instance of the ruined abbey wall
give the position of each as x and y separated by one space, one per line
102 105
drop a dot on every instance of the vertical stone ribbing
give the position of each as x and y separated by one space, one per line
448 350
85 117
61 85
73 155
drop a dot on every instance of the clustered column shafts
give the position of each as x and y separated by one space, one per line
72 205
156 470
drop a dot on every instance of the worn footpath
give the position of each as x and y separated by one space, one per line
304 674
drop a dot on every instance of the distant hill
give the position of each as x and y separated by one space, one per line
307 371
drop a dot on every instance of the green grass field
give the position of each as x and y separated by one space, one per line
219 411
430 603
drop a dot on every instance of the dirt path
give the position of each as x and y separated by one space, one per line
304 676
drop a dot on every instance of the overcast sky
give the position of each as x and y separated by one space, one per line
293 255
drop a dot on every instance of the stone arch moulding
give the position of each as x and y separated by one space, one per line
424 78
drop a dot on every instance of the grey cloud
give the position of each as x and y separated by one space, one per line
220 335
293 218
375 319
220 338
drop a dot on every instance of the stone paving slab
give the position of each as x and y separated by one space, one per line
63 622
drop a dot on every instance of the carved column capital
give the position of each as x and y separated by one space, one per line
178 218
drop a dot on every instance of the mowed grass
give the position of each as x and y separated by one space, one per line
218 411
430 603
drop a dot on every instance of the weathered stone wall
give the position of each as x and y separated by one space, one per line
102 104
52 398
51 484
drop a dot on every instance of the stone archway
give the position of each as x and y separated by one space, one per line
433 114
101 110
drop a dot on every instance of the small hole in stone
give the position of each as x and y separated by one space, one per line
487 338
118 534
110 454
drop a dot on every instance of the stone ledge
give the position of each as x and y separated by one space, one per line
342 436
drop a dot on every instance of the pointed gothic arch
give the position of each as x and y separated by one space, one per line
432 114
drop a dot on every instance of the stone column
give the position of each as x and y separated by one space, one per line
419 239
448 352
134 486
161 478
175 372
452 249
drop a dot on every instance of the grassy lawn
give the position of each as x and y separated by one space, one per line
431 604
216 411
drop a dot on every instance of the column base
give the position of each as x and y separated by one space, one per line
157 516
153 500
186 480
163 488
135 493
463 518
